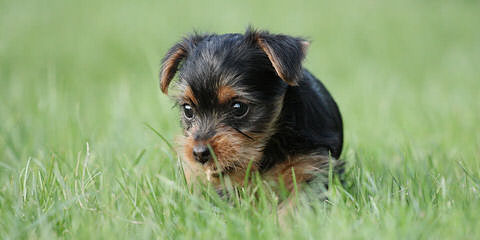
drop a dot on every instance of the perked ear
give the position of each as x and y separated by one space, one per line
174 57
286 53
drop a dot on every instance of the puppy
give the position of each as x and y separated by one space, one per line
247 103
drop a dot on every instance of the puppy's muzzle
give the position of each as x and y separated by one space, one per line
201 153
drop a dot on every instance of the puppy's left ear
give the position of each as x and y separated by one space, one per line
286 54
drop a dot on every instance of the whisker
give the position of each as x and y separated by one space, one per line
238 130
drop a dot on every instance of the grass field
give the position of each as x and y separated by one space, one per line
78 82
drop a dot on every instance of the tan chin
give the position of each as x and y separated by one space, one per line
234 171
212 173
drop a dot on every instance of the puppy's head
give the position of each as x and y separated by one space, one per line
230 90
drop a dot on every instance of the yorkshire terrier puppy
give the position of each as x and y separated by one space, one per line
245 98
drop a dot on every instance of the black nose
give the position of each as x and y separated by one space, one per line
201 153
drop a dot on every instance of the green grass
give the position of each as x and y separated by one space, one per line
78 82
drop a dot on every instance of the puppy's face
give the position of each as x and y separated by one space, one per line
230 92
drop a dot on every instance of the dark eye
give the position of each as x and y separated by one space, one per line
239 109
188 111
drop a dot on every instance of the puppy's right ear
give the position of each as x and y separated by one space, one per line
285 53
174 57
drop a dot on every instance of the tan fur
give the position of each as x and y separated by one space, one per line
225 94
188 95
305 167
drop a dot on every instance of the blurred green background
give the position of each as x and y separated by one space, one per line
404 73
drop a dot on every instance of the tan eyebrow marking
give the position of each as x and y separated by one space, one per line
188 95
225 94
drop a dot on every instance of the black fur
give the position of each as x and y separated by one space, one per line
310 122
